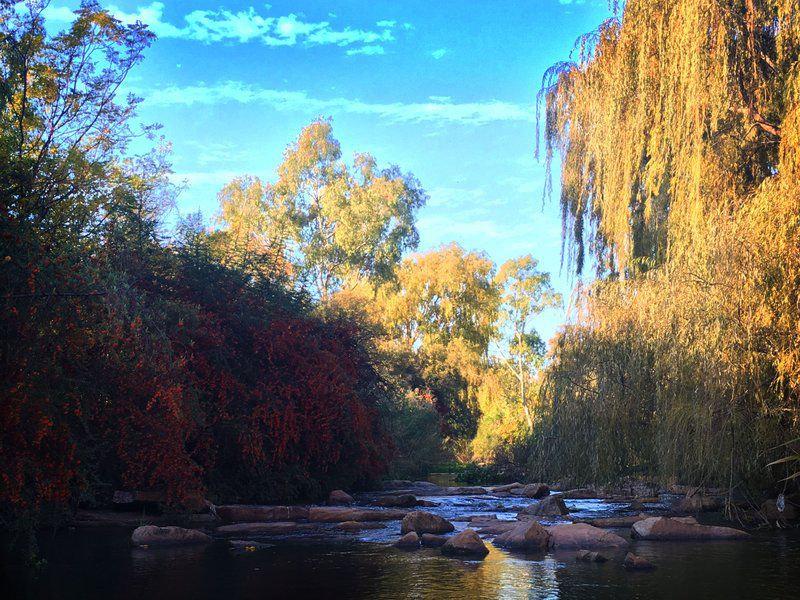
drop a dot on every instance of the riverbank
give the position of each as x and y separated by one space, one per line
325 558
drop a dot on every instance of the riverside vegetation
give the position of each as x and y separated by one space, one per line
298 346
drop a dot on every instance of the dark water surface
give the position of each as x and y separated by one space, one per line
100 563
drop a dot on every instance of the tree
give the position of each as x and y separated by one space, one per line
526 293
257 228
333 221
442 295
678 132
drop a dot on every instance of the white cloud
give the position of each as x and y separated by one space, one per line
437 54
368 50
247 25
242 93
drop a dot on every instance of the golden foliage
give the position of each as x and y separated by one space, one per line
679 136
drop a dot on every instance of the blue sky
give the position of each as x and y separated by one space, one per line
445 89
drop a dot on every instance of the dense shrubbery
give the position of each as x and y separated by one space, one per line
130 362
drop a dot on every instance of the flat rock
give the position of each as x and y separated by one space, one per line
550 506
633 562
617 521
340 497
338 514
431 540
250 512
494 527
590 556
526 535
152 535
358 526
401 501
583 536
425 522
465 491
505 488
466 543
260 527
667 529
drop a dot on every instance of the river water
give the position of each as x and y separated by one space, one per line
326 563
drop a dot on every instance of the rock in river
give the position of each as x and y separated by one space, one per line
526 535
637 563
339 497
152 535
466 543
532 490
338 514
245 512
433 541
425 522
584 536
590 556
401 501
261 528
551 506
666 529
409 541
358 526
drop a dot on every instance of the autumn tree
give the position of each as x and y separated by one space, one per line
526 293
677 132
332 220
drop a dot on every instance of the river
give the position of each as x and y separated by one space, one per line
327 563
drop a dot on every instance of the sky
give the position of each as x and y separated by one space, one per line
445 89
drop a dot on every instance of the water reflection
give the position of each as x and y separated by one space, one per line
427 575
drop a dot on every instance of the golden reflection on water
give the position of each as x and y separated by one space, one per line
499 575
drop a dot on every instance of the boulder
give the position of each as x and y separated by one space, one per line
428 503
409 541
466 543
550 506
358 526
337 514
583 536
433 541
339 497
425 522
637 505
526 535
667 529
532 490
250 513
401 501
152 535
590 556
637 563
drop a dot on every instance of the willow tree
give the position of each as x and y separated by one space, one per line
678 130
672 115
